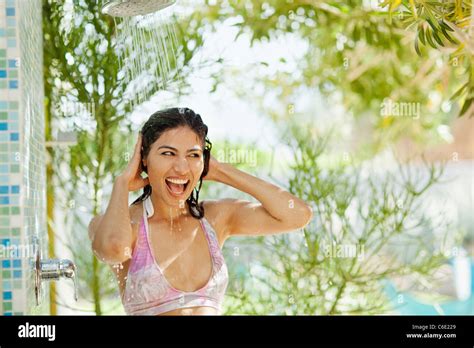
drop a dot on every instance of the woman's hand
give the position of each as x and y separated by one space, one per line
213 172
132 174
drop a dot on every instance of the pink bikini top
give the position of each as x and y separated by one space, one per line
147 292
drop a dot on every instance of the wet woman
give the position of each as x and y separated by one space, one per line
168 244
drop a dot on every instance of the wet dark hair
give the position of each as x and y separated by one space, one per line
171 118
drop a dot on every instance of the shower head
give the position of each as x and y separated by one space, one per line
127 8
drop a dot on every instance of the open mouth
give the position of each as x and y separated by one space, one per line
176 186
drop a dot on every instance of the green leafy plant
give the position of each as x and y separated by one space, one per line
367 229
443 24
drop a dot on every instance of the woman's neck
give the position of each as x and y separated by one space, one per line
166 212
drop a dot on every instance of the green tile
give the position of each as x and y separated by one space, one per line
3 157
3 84
14 147
17 284
4 232
11 32
14 105
15 168
4 220
16 231
4 211
6 274
15 210
3 52
3 63
13 73
3 147
7 306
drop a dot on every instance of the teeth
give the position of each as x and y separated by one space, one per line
177 181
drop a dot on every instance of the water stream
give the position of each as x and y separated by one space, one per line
147 48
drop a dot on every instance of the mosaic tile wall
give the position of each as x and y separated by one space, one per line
22 155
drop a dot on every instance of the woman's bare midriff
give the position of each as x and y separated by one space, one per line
192 311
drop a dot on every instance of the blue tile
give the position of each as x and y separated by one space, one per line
7 295
13 84
4 168
11 43
3 138
4 200
15 200
12 63
10 11
11 3
3 104
16 274
6 264
13 115
3 73
4 178
3 189
6 284
14 126
16 263
11 22
15 189
14 136
5 241
9 314
2 32
3 126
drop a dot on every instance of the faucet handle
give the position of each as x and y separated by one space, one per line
54 269
67 269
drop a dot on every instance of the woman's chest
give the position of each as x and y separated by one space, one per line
183 253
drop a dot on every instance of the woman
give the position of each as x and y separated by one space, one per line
167 242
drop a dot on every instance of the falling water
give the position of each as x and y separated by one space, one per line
147 48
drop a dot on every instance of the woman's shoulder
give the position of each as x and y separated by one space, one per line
216 212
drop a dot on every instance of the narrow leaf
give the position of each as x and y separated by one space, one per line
429 38
413 8
417 48
459 92
466 106
448 37
437 38
421 34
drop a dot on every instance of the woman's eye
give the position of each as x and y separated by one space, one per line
169 153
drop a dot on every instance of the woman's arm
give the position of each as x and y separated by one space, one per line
278 211
111 234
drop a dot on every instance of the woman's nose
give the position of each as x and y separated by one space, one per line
181 165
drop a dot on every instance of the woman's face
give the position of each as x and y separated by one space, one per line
175 163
